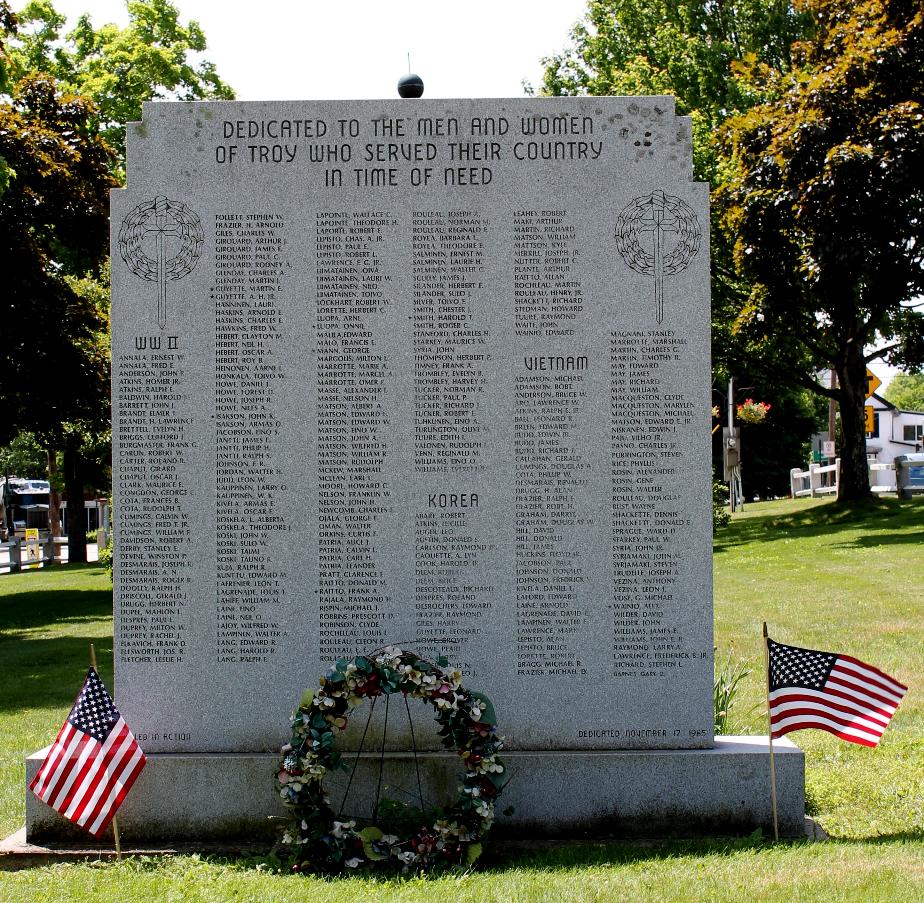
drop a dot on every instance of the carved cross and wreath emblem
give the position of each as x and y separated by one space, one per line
674 232
177 245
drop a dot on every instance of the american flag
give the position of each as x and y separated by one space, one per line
833 692
93 762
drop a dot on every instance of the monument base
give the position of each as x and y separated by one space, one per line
724 790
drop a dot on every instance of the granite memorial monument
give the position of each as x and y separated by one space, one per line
426 373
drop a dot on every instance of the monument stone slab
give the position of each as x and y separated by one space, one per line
424 373
432 374
722 790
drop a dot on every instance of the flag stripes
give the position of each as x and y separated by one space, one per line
93 762
65 744
831 692
834 706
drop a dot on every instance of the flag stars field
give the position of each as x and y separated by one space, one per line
93 762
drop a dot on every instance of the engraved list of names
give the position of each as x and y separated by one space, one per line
432 374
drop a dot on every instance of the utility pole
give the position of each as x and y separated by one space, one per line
731 405
4 530
731 448
734 452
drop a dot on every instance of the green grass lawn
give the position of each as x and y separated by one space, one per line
846 581
48 618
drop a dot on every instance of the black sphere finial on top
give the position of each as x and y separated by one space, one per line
410 85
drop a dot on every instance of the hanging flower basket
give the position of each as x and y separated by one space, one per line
315 840
750 411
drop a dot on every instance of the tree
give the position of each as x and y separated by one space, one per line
53 222
825 207
152 58
681 47
771 448
7 26
713 57
694 51
54 365
23 457
906 391
62 132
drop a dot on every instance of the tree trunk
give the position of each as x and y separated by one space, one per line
54 497
76 517
854 477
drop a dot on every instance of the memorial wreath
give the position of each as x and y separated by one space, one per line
315 839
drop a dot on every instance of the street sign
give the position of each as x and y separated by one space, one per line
31 548
873 382
829 451
870 418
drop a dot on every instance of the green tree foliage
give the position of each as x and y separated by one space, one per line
770 449
906 391
709 56
23 457
825 206
155 57
715 59
681 47
54 224
720 512
62 140
7 26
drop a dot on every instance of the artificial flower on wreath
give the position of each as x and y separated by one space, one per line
316 839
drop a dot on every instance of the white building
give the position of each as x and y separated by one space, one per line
895 432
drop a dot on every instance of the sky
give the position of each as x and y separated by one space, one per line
355 49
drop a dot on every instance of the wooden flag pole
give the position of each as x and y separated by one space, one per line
115 824
776 828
